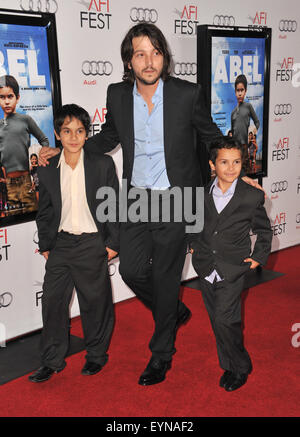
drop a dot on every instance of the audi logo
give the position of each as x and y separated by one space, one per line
39 6
288 25
97 68
224 20
283 109
298 218
277 187
5 299
140 14
185 69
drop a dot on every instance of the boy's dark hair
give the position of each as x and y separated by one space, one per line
158 41
11 82
225 143
71 111
241 79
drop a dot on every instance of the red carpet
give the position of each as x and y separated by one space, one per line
191 388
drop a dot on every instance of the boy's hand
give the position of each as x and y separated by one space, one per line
47 153
111 253
45 254
254 264
253 183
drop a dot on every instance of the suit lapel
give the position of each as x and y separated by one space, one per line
90 183
127 112
170 106
234 202
55 180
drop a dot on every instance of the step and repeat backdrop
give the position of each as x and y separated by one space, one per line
89 34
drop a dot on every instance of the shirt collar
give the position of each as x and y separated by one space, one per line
62 158
158 92
218 191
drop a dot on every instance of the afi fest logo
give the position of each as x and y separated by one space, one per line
259 20
279 224
187 22
97 15
4 245
285 72
281 152
97 120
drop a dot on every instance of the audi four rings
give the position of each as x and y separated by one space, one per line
49 6
288 25
5 299
97 68
185 68
277 187
141 14
224 20
283 109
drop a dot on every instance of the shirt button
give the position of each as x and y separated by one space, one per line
214 251
215 233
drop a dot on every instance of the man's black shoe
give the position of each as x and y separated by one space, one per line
235 381
91 368
43 374
224 378
155 372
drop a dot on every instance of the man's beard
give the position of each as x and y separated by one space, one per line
148 82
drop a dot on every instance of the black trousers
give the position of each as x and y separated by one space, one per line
152 256
80 261
223 303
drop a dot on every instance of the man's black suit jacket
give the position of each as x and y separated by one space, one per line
185 114
99 172
225 242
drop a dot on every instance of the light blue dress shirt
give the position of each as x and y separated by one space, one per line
149 167
221 200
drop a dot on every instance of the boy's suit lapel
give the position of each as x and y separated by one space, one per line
234 202
91 180
55 179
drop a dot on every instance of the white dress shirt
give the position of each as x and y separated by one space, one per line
76 217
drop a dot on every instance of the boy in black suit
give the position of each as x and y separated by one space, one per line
222 255
76 246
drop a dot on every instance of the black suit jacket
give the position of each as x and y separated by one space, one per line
225 242
99 172
185 115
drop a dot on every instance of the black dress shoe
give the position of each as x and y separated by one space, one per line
91 368
235 381
155 372
43 374
225 377
183 318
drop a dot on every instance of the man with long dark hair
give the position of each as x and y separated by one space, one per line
155 118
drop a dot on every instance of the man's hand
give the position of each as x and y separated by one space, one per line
47 153
45 254
253 183
254 264
111 253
